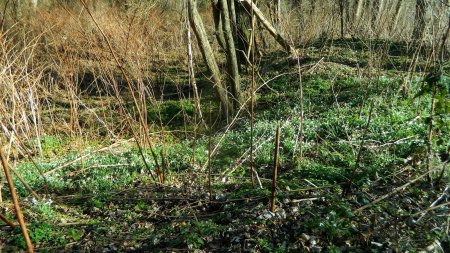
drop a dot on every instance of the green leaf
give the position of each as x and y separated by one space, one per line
76 234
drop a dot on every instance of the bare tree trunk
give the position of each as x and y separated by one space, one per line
398 10
341 14
313 7
377 11
191 68
278 15
233 69
374 6
94 4
419 20
218 25
17 9
277 36
381 8
358 11
243 34
233 14
208 55
444 41
33 4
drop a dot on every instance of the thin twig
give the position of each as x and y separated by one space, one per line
80 158
3 218
275 169
392 192
429 209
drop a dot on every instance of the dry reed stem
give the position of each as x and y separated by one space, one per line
23 227
275 169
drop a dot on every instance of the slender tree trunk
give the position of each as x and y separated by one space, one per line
233 14
94 4
191 68
375 5
208 55
348 17
398 10
233 69
234 27
419 20
244 34
358 11
218 25
341 14
33 4
278 15
17 9
377 12
313 7
443 47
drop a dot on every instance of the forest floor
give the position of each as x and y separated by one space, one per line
360 100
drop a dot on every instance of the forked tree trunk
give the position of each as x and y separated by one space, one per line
208 55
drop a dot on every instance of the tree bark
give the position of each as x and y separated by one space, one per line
278 15
358 11
398 10
233 69
342 18
313 7
33 4
232 13
218 25
243 32
444 40
277 36
208 55
17 10
419 20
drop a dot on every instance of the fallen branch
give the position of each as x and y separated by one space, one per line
100 166
400 188
434 205
275 34
429 209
